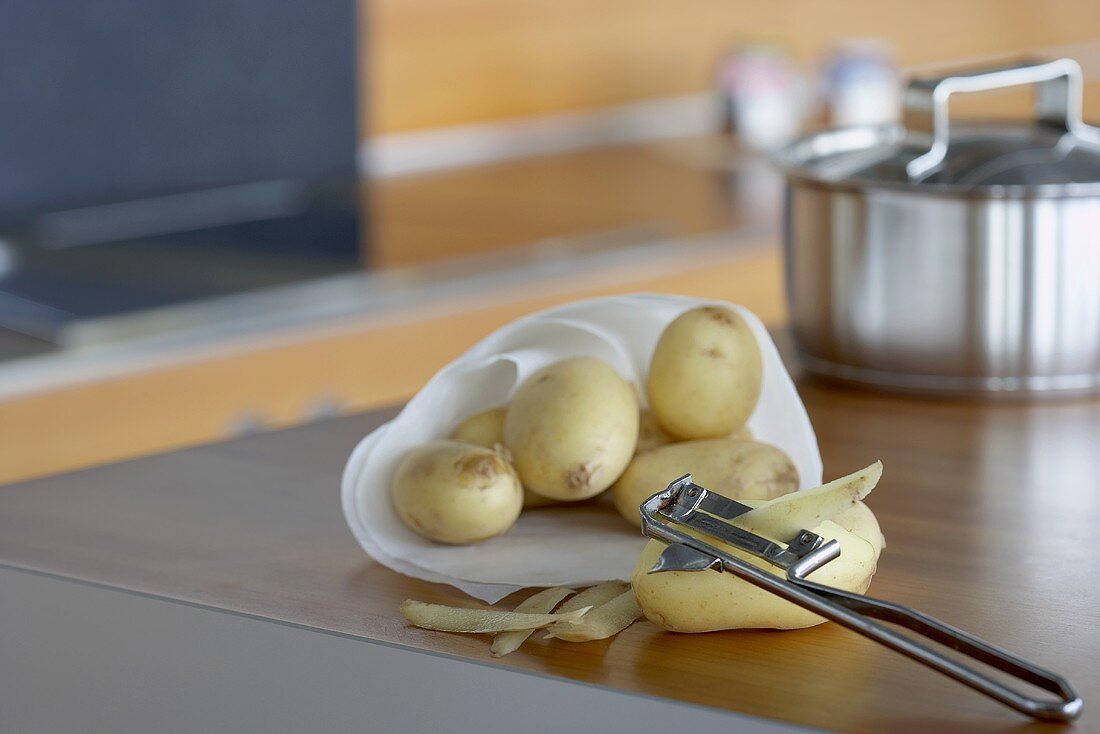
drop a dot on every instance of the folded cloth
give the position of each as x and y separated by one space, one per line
569 545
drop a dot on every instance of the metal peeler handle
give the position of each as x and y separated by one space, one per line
855 612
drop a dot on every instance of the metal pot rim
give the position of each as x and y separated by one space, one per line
946 191
1053 154
794 160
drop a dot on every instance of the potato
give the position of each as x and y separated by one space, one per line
652 436
860 520
839 501
782 517
455 492
703 601
531 500
487 429
744 433
484 429
572 428
705 374
650 433
736 469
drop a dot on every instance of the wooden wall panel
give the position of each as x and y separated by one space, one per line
445 62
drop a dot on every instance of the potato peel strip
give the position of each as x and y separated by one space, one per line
542 602
784 516
602 622
595 596
478 621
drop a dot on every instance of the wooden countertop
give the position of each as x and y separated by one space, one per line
989 513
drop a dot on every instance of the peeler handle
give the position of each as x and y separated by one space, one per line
856 613
859 613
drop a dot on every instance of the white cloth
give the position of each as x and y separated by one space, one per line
572 545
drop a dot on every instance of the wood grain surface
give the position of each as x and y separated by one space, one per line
434 63
989 513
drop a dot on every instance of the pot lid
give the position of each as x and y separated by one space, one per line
1056 153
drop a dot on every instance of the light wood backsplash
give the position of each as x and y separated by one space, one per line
435 63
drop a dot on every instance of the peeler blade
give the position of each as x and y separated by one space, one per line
678 557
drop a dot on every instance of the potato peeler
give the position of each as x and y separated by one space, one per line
685 504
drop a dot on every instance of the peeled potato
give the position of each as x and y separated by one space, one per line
484 429
735 469
838 500
455 492
784 516
860 520
703 601
572 428
705 374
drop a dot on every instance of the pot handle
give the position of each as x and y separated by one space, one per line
1057 104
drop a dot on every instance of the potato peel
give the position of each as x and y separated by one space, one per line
478 621
595 596
542 602
783 517
602 622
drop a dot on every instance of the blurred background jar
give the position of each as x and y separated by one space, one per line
762 95
859 84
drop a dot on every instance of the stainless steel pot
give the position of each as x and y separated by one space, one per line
948 257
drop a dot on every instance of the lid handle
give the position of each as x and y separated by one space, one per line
1057 104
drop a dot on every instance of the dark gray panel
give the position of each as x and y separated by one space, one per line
104 100
80 658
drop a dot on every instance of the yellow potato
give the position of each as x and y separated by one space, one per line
860 520
705 374
650 433
782 517
455 492
703 601
707 600
838 500
534 500
484 429
736 469
572 428
652 436
487 429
